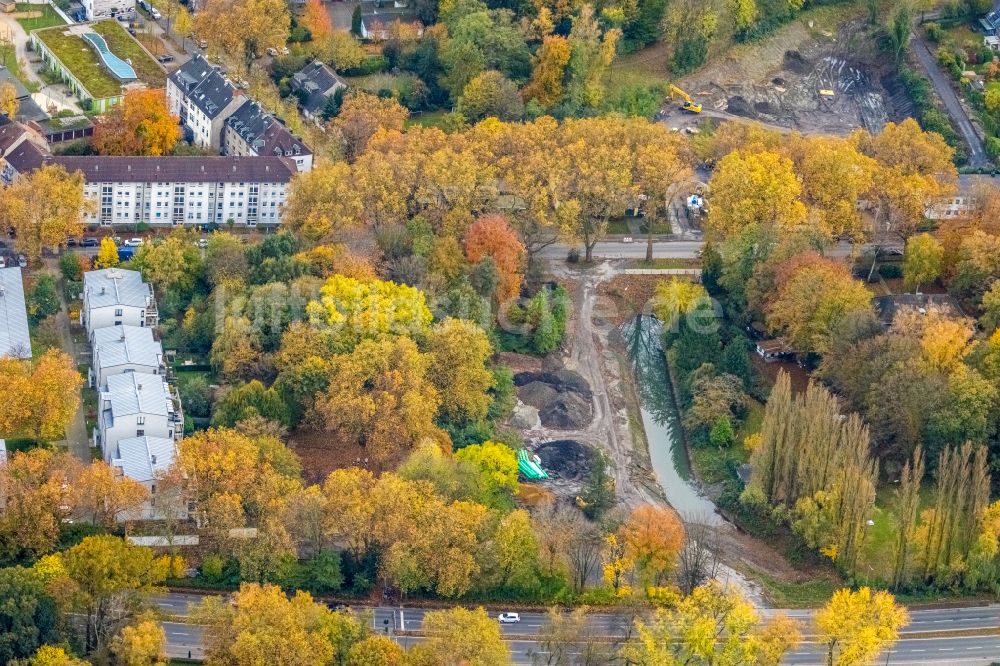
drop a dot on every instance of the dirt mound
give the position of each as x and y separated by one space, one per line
739 106
537 394
766 108
562 398
796 62
569 411
566 458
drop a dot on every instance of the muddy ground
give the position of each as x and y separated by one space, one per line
777 82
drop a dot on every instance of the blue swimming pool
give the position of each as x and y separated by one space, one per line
118 67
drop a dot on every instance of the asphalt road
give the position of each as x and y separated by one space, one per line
977 153
913 649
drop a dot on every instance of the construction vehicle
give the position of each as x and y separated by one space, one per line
826 99
689 106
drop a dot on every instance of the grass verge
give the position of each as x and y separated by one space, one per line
47 18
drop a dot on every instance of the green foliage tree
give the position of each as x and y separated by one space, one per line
28 615
922 261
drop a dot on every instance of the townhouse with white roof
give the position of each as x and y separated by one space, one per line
14 338
121 349
116 297
144 460
136 404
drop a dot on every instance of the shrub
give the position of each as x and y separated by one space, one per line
372 64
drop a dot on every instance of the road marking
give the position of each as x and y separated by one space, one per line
974 648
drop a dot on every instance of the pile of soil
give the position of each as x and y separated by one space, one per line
796 62
562 398
739 106
566 458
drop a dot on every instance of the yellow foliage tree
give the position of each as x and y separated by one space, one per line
855 626
44 207
8 100
39 398
242 30
460 636
459 351
140 125
107 254
141 644
754 189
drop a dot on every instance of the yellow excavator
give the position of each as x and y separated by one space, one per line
689 105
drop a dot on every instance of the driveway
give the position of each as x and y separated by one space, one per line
942 84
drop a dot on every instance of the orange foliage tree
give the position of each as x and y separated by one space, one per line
491 236
653 537
140 125
317 20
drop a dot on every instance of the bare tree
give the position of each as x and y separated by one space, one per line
699 558
573 639
583 551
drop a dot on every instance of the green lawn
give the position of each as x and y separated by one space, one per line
429 119
664 262
86 65
48 18
126 48
808 594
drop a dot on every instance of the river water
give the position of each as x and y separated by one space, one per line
644 341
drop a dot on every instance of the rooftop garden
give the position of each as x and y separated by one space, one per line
85 64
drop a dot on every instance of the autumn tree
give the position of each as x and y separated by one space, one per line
112 577
754 189
8 100
546 86
356 310
380 397
913 167
50 655
140 125
491 94
44 207
262 624
141 644
662 164
107 254
856 626
458 352
323 202
713 624
653 537
39 397
909 504
39 487
317 20
241 30
376 651
460 636
107 497
591 52
921 261
813 295
172 264
362 115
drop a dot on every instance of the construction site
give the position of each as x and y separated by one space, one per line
803 78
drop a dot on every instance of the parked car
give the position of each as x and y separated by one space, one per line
271 51
70 242
89 242
3 261
133 242
22 261
155 13
202 43
202 243
509 618
166 57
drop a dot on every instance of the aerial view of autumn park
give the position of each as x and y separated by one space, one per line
489 332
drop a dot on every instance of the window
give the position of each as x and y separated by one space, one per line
118 312
140 420
140 433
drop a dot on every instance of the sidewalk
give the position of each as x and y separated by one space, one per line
77 439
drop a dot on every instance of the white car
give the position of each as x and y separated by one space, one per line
202 243
271 51
3 261
133 242
155 13
509 618
22 261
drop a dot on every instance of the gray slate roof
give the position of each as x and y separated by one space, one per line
26 157
126 345
137 393
140 458
179 169
207 88
115 286
263 132
14 339
319 82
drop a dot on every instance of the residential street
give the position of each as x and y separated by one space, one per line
941 83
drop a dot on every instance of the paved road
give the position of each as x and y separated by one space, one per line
682 249
941 83
913 649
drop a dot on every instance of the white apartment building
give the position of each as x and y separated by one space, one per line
184 190
14 338
144 459
252 132
102 9
202 98
116 297
136 404
121 349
